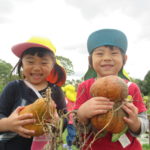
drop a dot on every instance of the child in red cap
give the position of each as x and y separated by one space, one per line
38 68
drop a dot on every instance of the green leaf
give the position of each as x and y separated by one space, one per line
116 136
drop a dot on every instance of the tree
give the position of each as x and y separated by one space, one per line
144 84
147 83
141 85
5 69
74 82
67 64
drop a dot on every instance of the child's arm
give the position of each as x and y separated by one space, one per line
132 119
138 104
92 107
138 123
15 123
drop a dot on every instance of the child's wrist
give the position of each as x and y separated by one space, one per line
4 124
137 129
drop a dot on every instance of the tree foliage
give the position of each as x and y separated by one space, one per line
146 84
67 64
5 69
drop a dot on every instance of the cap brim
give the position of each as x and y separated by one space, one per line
20 48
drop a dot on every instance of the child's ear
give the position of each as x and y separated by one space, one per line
124 59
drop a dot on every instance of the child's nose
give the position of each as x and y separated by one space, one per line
107 57
37 66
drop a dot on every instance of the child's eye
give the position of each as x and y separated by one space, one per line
114 53
99 53
30 62
44 63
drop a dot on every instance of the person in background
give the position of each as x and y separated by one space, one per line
38 70
107 56
70 93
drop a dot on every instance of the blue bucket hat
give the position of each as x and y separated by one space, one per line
105 37
110 37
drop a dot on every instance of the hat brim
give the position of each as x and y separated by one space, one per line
18 49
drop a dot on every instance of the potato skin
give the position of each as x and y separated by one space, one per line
115 89
40 110
112 87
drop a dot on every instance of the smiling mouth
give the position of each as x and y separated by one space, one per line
36 76
107 66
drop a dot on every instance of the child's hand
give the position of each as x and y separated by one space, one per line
15 123
94 106
132 120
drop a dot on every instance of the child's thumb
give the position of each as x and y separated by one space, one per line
18 109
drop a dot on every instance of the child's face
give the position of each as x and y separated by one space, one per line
36 69
107 61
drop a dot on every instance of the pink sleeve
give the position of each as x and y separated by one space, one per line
135 92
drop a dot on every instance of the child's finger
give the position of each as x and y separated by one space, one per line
25 135
105 103
131 107
18 109
26 121
100 111
127 120
26 132
101 99
127 110
103 107
25 116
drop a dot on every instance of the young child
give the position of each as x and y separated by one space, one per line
37 65
107 50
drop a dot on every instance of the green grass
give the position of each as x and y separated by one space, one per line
148 112
146 147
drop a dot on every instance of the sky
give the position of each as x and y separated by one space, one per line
68 23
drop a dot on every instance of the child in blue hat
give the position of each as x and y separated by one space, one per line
107 56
